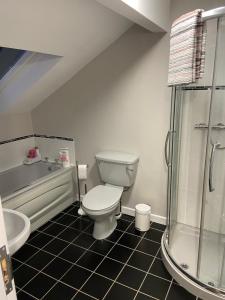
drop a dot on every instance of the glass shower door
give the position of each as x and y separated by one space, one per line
211 257
190 106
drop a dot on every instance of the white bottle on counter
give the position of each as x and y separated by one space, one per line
64 157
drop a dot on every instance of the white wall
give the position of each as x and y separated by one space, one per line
13 154
50 148
121 101
76 30
118 102
15 125
180 7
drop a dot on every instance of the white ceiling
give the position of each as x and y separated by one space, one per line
153 15
77 30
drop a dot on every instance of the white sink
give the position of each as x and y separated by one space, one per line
17 229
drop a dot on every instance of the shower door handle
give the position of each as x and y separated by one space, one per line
166 148
211 166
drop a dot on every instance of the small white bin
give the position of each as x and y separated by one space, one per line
142 217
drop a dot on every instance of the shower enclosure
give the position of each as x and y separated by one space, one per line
193 246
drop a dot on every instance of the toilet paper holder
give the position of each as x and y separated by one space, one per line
80 211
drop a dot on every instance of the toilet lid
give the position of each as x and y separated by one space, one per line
102 197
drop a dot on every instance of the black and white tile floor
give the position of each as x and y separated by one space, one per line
62 261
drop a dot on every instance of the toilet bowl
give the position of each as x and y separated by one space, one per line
117 171
101 205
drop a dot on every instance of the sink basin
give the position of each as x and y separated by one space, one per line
17 229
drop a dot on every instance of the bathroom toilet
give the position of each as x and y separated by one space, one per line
117 171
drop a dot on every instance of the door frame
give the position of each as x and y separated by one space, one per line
5 263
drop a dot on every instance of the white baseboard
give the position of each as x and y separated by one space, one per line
154 218
131 212
158 219
128 211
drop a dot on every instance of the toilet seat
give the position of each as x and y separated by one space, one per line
102 197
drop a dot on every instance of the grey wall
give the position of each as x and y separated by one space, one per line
15 125
118 102
121 101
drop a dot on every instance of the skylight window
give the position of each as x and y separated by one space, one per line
20 70
8 58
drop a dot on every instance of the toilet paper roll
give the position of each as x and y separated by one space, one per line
82 172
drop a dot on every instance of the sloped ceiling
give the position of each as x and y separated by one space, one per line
154 15
76 30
